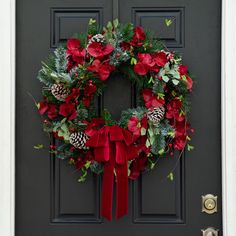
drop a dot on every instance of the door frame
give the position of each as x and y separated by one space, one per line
7 118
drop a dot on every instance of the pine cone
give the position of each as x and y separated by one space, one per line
156 114
59 91
78 140
99 38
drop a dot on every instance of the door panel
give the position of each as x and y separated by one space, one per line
49 200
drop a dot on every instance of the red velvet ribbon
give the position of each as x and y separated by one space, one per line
111 145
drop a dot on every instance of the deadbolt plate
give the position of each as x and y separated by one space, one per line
209 204
210 232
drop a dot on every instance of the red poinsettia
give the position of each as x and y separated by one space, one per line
75 53
151 100
135 125
181 130
139 36
96 49
161 59
145 63
74 95
174 110
183 70
68 110
50 109
103 69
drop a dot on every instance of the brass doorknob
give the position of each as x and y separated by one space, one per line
209 204
210 232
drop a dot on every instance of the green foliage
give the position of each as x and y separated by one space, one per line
106 115
126 31
60 60
50 98
96 167
127 114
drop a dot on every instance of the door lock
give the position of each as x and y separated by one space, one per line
209 204
210 232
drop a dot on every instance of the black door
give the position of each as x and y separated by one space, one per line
49 201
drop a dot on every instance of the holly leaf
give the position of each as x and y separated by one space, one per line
170 176
190 147
38 146
92 21
161 152
175 81
165 78
115 23
143 131
168 22
133 61
148 144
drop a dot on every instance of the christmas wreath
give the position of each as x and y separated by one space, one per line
75 76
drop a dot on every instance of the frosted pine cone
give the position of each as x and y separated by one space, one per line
78 140
156 114
59 91
99 38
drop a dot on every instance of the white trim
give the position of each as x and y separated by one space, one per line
7 118
228 117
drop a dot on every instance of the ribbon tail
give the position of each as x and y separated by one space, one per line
108 186
121 184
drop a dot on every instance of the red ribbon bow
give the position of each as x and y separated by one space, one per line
111 145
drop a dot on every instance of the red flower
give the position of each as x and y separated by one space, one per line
68 110
145 63
135 125
98 50
180 142
161 59
173 110
75 53
183 70
51 109
95 124
103 69
125 46
90 89
43 107
138 165
74 95
139 36
151 100
81 161
189 83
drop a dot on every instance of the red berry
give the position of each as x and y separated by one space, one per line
45 121
171 154
118 54
170 145
192 130
72 161
53 147
72 129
